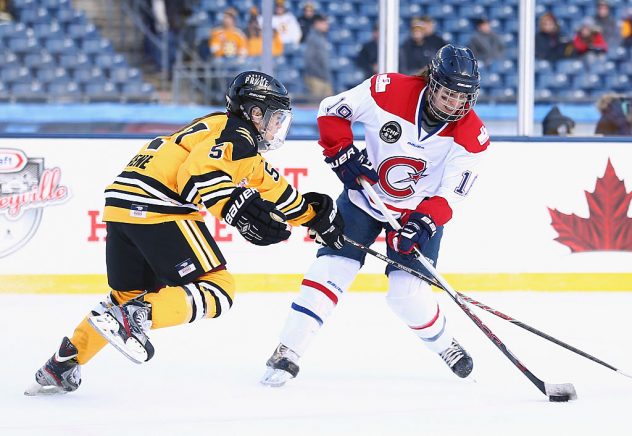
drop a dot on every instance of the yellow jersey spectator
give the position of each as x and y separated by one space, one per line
227 40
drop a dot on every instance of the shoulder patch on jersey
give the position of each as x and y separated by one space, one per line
241 135
397 94
469 132
391 132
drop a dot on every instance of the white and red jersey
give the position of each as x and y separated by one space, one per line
418 170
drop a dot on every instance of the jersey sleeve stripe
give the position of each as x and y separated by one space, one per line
288 196
296 211
195 183
211 199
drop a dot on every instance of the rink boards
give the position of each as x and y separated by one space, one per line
503 237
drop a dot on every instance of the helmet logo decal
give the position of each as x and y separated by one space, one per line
256 79
399 175
391 132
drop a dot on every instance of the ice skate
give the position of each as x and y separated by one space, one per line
282 366
457 359
126 327
59 375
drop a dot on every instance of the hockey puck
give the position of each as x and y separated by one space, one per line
559 398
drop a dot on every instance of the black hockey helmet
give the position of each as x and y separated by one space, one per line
454 83
254 89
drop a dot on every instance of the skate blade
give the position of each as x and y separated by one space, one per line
37 389
107 326
275 378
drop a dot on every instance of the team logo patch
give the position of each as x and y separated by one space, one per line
26 188
391 132
185 267
344 111
138 211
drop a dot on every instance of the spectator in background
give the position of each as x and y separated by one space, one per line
306 20
549 43
616 115
419 49
588 39
607 24
5 11
317 74
367 57
557 124
227 40
485 44
626 30
168 18
254 36
284 22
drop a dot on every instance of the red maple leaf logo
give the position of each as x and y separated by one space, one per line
607 227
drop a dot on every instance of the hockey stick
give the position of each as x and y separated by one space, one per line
483 306
555 392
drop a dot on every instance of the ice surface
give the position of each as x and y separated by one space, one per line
365 374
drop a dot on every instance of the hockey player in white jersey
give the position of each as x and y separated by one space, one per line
423 141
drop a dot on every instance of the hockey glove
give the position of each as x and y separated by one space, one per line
327 226
351 163
258 220
416 230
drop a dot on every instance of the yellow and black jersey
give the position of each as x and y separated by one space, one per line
171 177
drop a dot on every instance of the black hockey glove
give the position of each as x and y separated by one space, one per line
327 226
351 163
416 231
258 220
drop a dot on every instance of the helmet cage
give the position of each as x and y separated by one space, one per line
446 104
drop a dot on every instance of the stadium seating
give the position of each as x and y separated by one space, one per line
49 35
52 52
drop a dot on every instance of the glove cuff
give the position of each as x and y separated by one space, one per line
425 221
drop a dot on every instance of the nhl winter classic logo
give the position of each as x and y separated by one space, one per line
391 132
26 187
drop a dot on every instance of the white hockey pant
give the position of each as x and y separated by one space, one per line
328 278
412 301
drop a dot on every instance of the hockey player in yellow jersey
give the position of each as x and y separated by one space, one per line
163 266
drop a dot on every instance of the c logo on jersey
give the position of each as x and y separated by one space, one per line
391 132
399 175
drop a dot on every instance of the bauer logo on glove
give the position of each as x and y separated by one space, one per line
258 220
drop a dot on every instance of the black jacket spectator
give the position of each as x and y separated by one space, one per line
306 20
616 115
419 49
367 57
485 44
549 43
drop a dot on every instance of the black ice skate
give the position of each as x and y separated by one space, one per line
60 374
457 359
282 366
126 327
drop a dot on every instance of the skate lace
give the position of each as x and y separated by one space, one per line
452 354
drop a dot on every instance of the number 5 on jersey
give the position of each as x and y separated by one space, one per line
217 151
